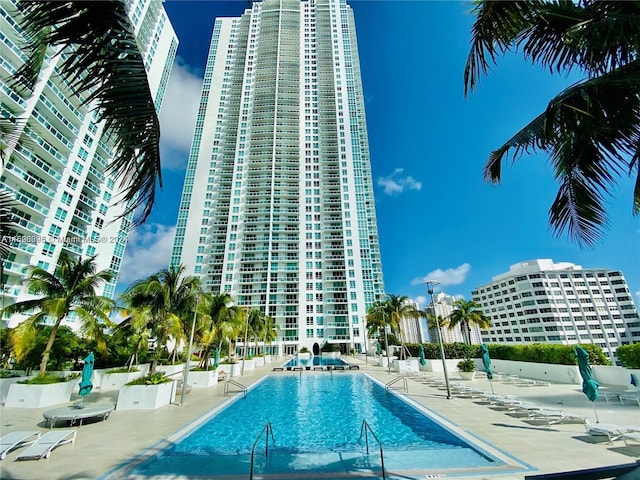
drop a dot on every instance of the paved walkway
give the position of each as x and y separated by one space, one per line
101 447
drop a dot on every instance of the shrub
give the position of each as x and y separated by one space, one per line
8 374
48 379
467 365
533 352
122 370
629 355
152 379
304 350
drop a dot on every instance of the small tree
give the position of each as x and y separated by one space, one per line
71 289
629 355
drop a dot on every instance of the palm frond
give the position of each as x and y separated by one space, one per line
107 63
596 37
496 27
7 222
592 132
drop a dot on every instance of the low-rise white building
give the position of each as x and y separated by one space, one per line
539 301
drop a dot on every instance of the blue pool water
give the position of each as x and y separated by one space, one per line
316 422
313 362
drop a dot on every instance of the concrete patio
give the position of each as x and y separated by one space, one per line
101 447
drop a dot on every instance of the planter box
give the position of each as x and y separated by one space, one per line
170 369
146 397
231 369
384 361
115 381
267 359
402 366
259 361
467 375
38 396
5 383
203 379
249 364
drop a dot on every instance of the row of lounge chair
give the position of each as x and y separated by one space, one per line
349 366
39 446
532 411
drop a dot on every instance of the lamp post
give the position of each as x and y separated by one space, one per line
430 284
187 363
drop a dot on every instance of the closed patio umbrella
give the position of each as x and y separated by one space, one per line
422 359
216 358
589 385
85 383
379 348
486 361
634 380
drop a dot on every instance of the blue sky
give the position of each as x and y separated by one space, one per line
437 219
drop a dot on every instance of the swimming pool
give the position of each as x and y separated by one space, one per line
314 362
316 420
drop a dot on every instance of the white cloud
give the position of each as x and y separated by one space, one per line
148 250
178 116
450 276
422 301
395 184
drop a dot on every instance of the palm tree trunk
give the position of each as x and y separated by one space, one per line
50 342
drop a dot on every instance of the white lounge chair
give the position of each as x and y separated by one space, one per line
553 417
631 438
630 396
611 431
14 440
46 443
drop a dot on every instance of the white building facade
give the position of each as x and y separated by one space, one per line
65 199
540 301
277 208
444 308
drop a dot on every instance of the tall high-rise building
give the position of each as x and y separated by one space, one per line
277 208
539 301
65 198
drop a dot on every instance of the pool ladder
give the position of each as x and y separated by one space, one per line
267 430
231 382
365 430
397 379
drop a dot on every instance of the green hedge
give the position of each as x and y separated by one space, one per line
533 352
629 355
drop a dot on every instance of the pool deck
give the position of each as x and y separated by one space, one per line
102 446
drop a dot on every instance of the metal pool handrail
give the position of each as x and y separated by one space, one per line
267 429
242 387
404 381
363 430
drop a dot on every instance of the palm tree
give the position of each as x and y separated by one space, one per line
214 309
108 66
377 321
466 313
162 303
269 332
71 290
399 307
387 314
591 130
